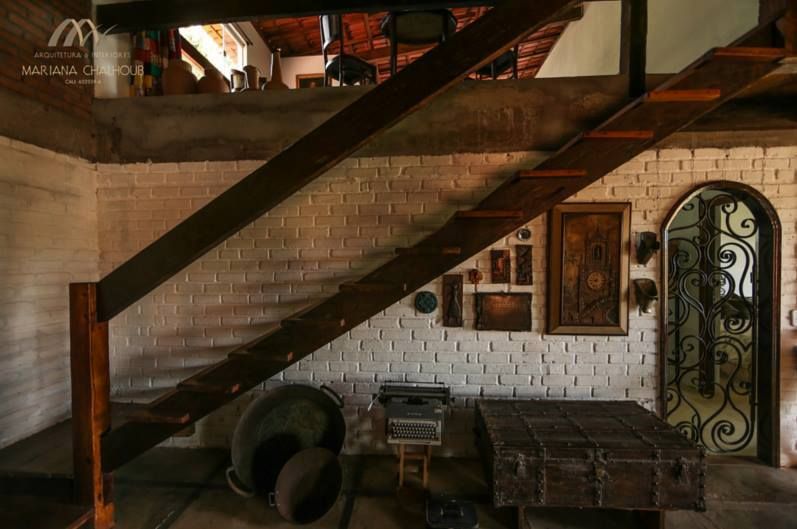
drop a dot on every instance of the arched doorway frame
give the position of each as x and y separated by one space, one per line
768 383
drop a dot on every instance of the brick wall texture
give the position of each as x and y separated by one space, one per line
48 238
348 222
25 28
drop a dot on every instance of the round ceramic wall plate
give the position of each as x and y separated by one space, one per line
524 234
425 302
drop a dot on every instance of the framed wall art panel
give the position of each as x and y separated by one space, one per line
588 268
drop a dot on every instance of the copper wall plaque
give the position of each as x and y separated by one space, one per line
523 257
500 266
452 301
498 311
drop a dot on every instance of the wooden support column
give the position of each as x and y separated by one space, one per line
634 44
91 416
788 28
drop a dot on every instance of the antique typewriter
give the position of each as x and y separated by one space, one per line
414 414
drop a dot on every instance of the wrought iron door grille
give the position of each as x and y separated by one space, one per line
712 321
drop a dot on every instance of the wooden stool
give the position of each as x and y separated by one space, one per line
425 456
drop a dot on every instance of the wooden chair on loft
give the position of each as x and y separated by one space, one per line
416 28
502 64
344 68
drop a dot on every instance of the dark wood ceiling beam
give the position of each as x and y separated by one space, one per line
321 149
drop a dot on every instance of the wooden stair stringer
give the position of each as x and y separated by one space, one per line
321 149
532 196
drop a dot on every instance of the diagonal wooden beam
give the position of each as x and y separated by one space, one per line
323 148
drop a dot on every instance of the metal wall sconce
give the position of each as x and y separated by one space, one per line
646 295
646 245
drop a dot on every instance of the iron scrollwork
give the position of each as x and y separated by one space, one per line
713 322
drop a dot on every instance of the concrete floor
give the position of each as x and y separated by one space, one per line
171 488
185 489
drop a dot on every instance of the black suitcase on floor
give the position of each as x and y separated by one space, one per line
448 513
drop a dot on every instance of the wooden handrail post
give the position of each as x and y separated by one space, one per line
91 416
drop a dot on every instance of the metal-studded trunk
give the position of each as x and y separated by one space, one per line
587 454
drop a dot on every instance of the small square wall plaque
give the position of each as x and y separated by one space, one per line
499 311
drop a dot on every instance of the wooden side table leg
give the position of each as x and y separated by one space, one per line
650 519
425 472
522 521
401 465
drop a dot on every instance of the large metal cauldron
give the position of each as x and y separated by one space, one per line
277 426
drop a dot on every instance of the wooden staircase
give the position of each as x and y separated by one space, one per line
701 88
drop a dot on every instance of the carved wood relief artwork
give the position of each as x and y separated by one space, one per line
588 269
452 300
501 311
500 266
523 256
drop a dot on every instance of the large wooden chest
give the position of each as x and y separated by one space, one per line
608 454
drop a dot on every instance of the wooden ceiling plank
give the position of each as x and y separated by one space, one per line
162 14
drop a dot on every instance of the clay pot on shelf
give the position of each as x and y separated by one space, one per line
276 83
263 82
238 80
178 79
213 83
252 77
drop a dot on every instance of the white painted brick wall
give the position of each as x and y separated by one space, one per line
48 238
347 223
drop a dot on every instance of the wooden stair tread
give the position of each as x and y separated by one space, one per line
17 512
372 287
490 214
198 386
254 354
619 135
314 322
443 250
750 53
153 415
552 173
684 96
